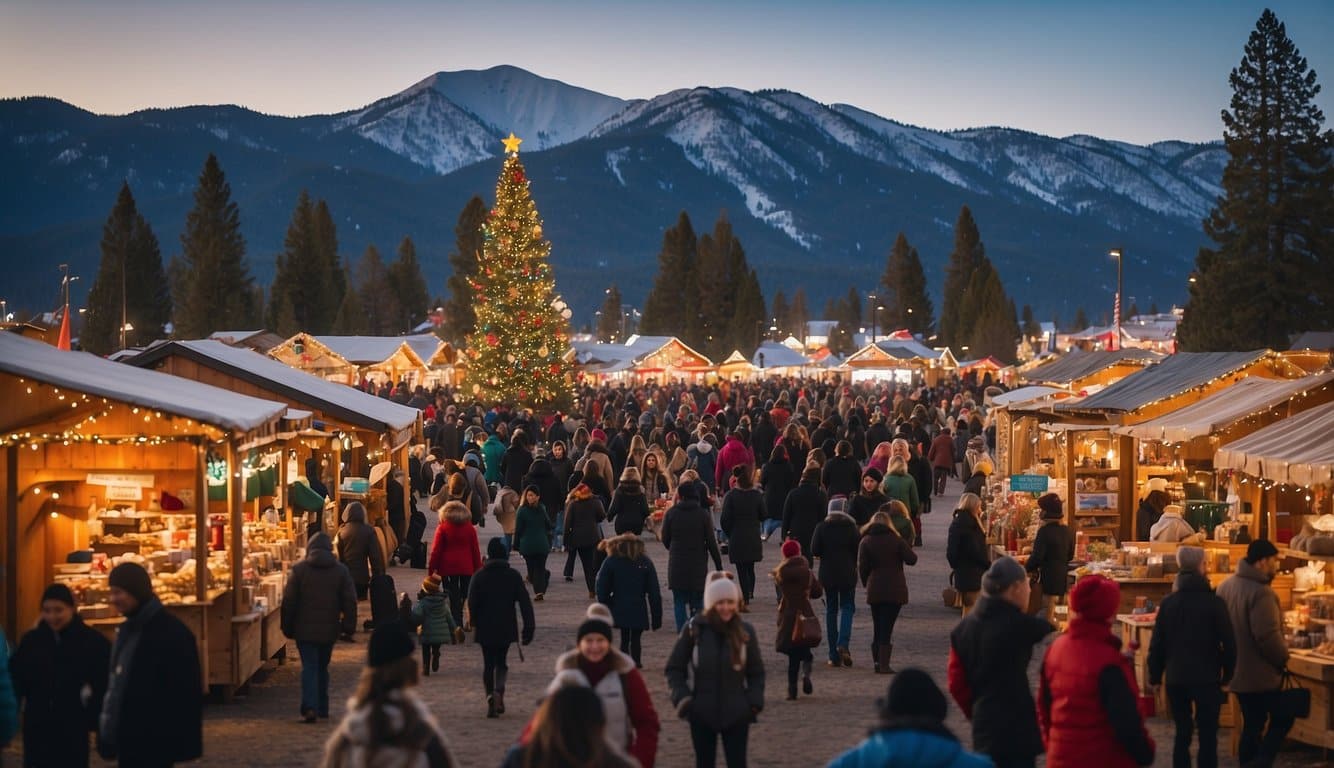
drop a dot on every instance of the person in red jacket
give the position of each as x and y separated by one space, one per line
1087 695
941 456
733 454
455 555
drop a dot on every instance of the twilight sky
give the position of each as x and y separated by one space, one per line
1134 70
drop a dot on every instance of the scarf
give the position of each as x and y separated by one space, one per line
122 660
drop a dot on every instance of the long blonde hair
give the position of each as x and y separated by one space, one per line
971 502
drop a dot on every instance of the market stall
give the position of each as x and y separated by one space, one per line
1077 370
900 359
736 366
773 358
106 463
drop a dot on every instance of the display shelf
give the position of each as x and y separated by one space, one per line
1286 552
1095 471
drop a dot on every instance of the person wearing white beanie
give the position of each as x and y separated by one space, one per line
721 586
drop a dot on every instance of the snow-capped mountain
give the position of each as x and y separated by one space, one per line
817 192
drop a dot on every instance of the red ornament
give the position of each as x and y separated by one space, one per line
492 339
523 394
518 176
537 320
555 369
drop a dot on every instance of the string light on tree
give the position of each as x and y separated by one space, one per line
516 353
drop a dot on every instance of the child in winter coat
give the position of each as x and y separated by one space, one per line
437 624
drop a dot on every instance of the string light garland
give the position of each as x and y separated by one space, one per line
84 430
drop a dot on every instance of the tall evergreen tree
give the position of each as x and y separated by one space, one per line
1153 308
304 281
671 307
799 314
749 317
781 315
1133 311
130 280
956 312
409 287
905 301
995 329
379 303
609 317
351 319
326 246
1031 329
721 276
848 313
1081 320
216 289
460 314
1271 273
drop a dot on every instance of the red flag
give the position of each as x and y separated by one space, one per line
62 342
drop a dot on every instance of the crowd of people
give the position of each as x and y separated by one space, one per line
843 474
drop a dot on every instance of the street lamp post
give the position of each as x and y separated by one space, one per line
1116 253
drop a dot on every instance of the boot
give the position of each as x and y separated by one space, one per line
435 659
883 654
499 694
875 656
491 706
792 691
806 686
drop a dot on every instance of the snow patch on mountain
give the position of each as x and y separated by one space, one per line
614 159
426 128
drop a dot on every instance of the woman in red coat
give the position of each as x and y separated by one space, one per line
455 555
1087 696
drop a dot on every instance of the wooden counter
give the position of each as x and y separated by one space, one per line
1315 673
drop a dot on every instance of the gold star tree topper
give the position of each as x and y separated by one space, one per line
512 143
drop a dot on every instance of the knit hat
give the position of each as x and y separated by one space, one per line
721 586
471 459
1050 504
1004 573
873 473
837 504
1095 597
597 434
598 611
1259 550
1154 484
495 550
791 548
431 584
913 694
594 626
132 578
1190 558
389 643
58 592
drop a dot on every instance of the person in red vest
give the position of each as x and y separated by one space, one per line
1087 695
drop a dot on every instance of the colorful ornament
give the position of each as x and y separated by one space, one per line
537 230
543 350
476 388
492 340
555 369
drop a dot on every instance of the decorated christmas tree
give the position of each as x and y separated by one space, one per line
516 353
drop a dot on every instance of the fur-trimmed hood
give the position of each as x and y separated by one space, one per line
567 662
627 545
351 743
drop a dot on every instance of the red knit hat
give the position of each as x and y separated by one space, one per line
791 548
1096 597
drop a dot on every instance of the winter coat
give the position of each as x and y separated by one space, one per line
493 453
455 550
941 453
988 677
598 454
835 543
704 459
777 480
841 476
1053 549
153 710
1257 622
797 586
532 530
734 453
49 671
627 583
629 508
583 512
805 507
437 623
550 488
920 470
865 505
881 556
904 488
632 723
910 745
1087 701
966 550
707 685
687 533
359 549
514 464
1170 527
479 496
319 601
395 510
561 470
762 439
1192 640
492 596
976 484
740 520
505 507
352 745
1145 519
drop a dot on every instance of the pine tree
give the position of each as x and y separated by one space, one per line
1271 273
671 308
1031 329
351 319
460 314
958 309
131 279
216 290
379 303
995 330
799 314
609 317
1081 320
716 285
781 315
1153 308
409 287
302 282
516 354
1133 311
906 303
749 316
326 246
848 313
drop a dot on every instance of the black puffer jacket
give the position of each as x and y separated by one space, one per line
319 601
841 476
1053 549
50 672
835 543
687 533
583 512
805 507
966 551
496 590
1192 640
550 489
629 508
707 686
778 478
358 547
742 510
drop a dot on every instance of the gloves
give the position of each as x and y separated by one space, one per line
683 707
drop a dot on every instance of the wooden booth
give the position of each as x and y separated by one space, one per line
900 359
107 463
644 358
1078 370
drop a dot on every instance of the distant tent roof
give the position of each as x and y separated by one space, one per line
982 362
93 375
735 358
1078 364
338 400
1026 394
1314 340
1224 408
777 355
1297 450
907 349
1175 375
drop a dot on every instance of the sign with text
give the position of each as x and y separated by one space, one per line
1029 483
102 478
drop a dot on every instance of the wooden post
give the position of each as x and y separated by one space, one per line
11 573
281 491
406 484
235 507
337 476
201 520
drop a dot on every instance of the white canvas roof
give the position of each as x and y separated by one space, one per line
93 375
1297 450
1224 408
777 355
368 350
1026 394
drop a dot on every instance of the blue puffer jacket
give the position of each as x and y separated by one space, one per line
909 749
